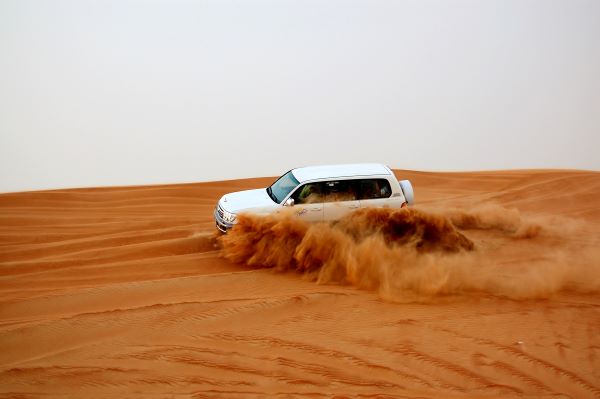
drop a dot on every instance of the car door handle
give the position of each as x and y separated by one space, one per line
315 209
353 206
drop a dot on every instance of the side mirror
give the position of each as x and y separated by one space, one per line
289 202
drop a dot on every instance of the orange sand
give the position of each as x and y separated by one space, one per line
124 292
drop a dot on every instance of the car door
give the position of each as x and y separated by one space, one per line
340 199
308 202
376 193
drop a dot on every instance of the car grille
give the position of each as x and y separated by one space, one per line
220 211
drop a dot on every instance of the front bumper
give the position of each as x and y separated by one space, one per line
221 224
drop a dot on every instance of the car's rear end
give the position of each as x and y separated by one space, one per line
408 191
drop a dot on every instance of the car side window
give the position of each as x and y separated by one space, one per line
340 190
309 193
374 188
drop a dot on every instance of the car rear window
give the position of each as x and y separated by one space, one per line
340 190
374 188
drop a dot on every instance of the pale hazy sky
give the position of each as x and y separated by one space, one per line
135 92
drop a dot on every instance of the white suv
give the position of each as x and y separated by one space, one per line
319 193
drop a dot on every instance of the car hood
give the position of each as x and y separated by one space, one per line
246 200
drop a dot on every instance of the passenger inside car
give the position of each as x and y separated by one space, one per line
309 194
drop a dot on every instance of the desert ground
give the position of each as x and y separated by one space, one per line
129 292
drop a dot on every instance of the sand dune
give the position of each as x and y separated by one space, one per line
126 292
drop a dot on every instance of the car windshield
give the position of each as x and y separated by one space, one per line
282 187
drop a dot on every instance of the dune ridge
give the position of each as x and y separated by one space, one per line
125 292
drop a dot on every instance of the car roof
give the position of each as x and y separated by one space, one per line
339 171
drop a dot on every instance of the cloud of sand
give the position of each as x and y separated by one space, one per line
418 255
